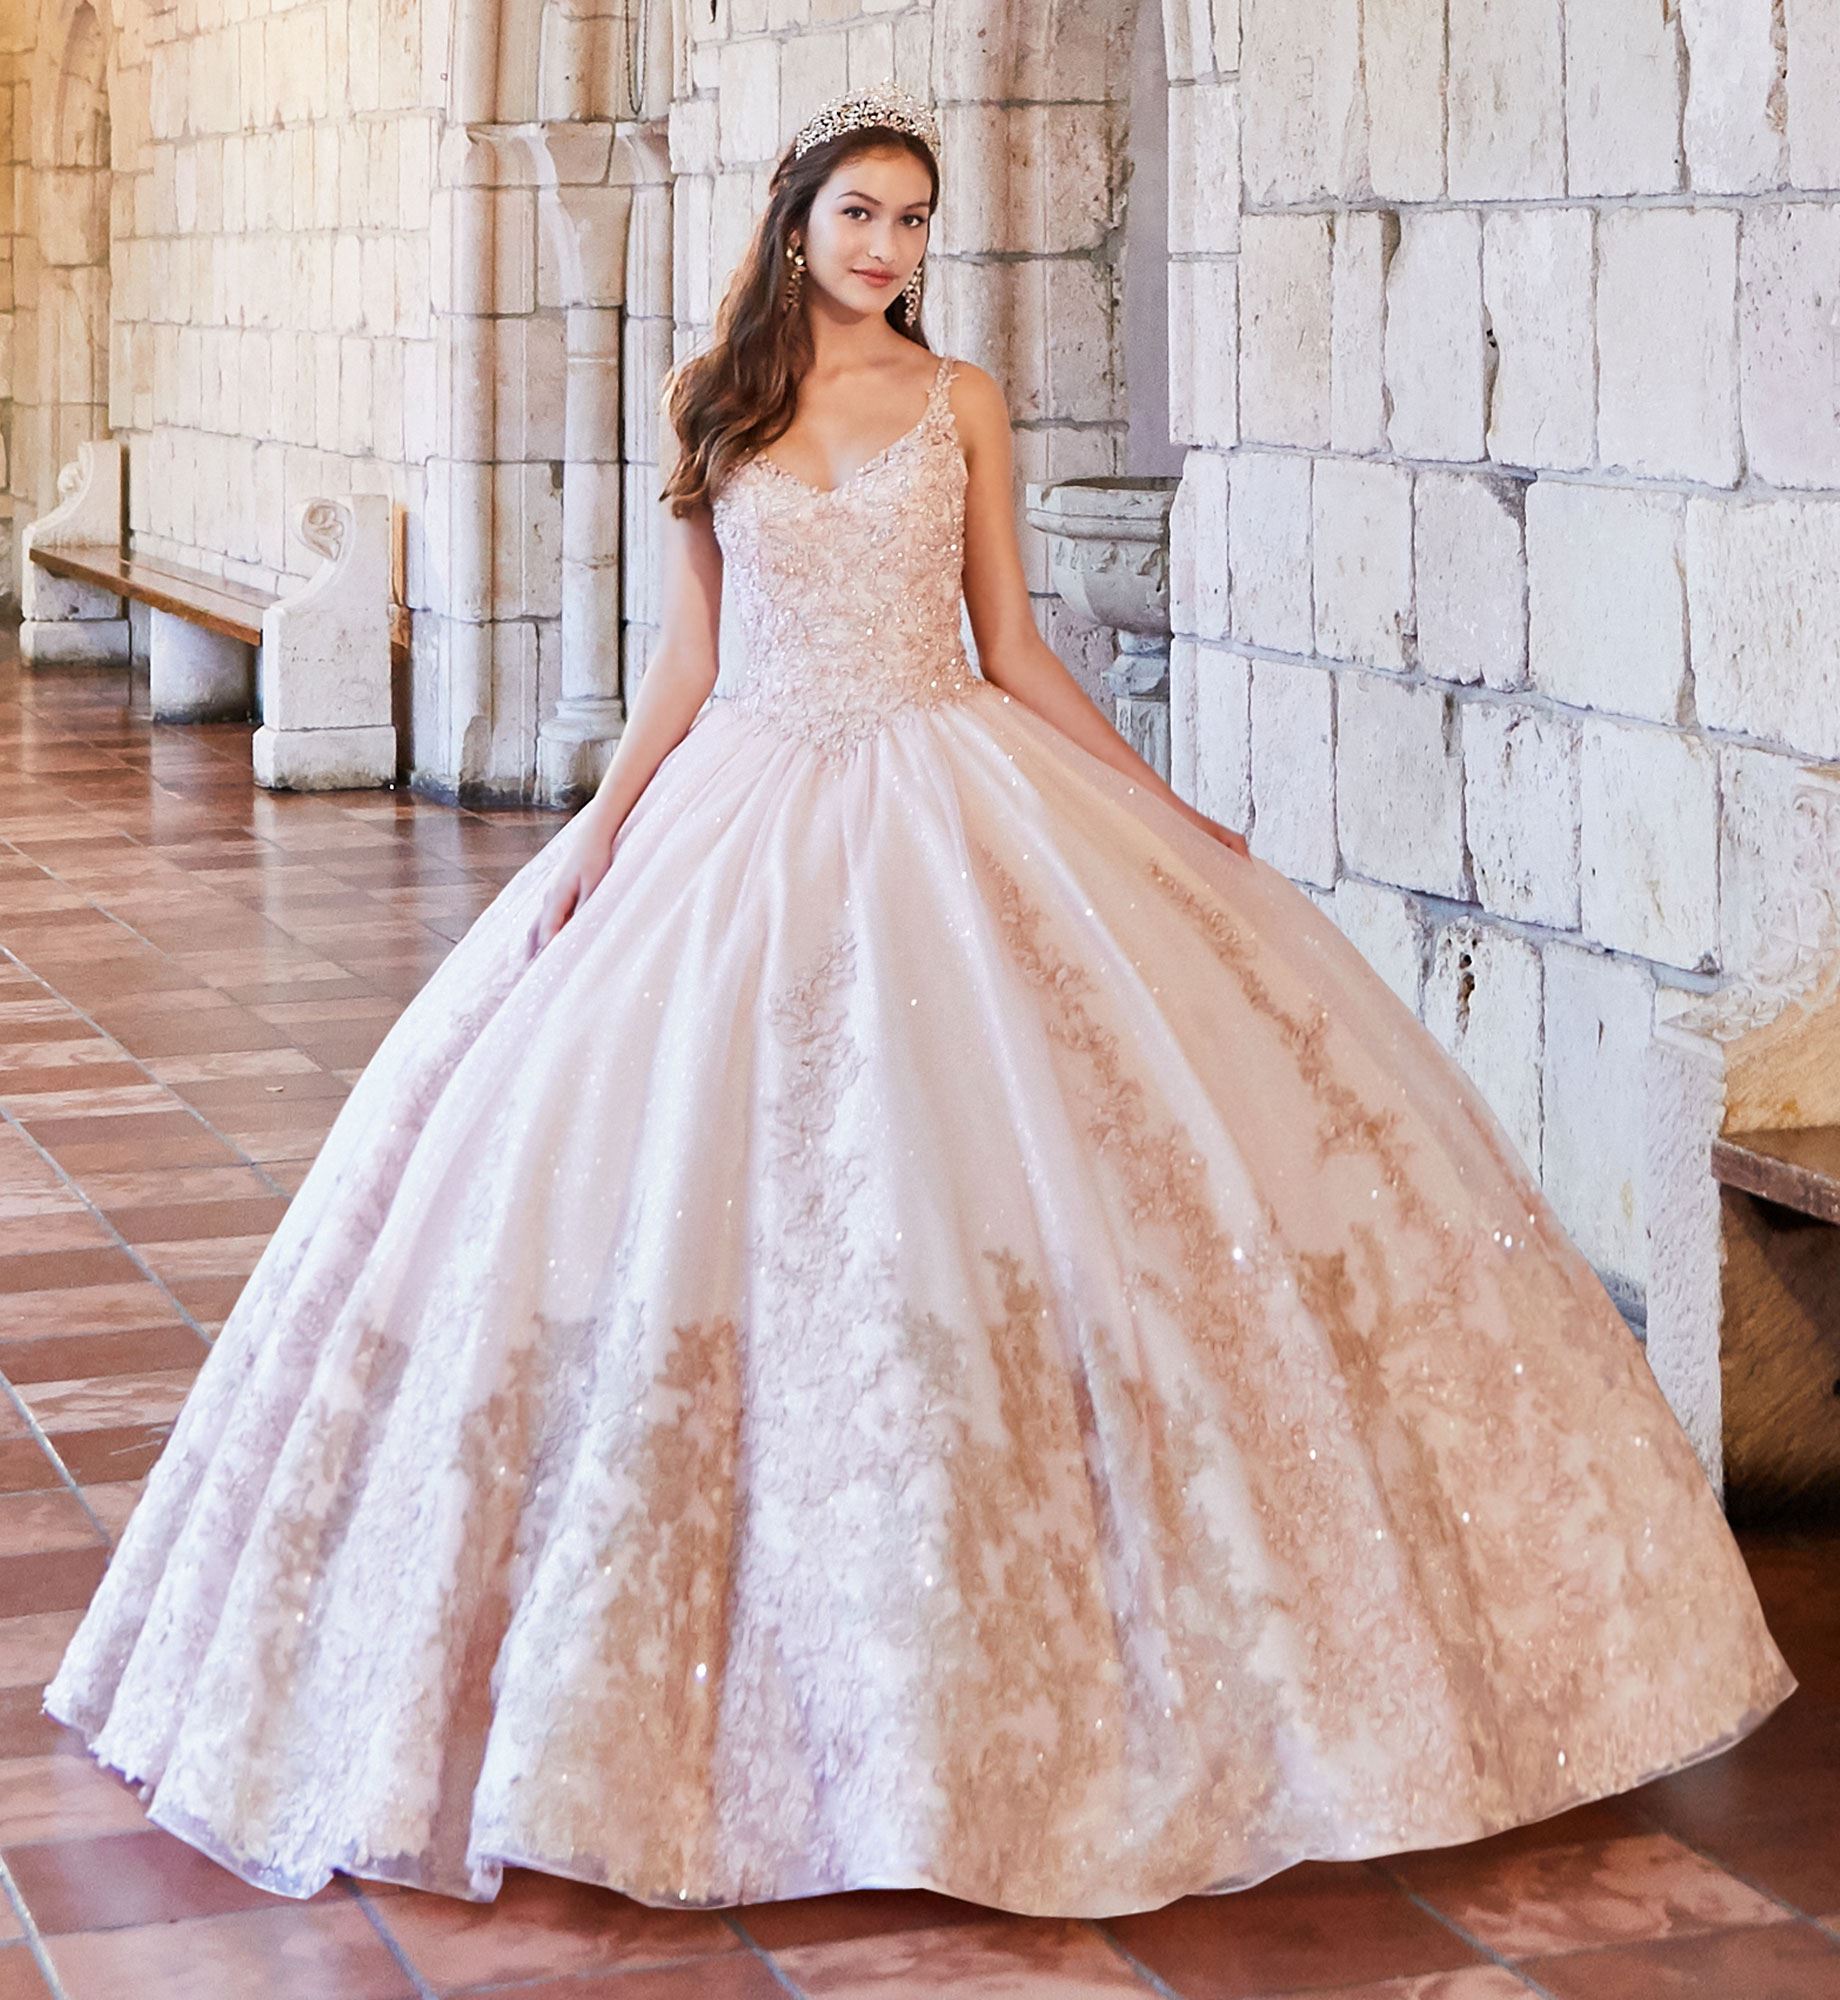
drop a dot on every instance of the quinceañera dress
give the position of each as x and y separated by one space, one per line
947 1330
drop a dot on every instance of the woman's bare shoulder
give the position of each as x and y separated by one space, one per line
968 379
977 402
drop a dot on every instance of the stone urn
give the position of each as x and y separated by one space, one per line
1108 556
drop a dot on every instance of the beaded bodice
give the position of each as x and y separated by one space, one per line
848 596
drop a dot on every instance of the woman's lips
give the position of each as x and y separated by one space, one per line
876 277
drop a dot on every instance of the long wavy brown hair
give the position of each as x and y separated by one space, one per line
740 393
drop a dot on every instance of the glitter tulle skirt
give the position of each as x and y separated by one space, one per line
948 1330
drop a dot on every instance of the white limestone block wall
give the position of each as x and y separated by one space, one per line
362 248
1531 522
1501 341
272 339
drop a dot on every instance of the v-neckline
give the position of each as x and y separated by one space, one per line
875 458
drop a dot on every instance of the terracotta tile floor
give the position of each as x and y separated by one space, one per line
192 973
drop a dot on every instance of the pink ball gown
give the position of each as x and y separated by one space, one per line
949 1330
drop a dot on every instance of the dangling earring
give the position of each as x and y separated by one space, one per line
795 275
910 294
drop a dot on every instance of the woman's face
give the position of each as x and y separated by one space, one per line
867 229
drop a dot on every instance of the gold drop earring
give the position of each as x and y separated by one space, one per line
795 275
910 293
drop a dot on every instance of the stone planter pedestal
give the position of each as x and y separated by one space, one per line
1108 554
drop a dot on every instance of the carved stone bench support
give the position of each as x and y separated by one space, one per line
67 623
326 715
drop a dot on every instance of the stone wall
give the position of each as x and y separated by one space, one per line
342 246
1502 343
262 268
1529 527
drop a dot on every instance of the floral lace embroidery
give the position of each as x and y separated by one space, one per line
849 597
1446 1665
806 1560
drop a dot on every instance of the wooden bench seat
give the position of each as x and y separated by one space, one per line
1798 1170
313 663
219 605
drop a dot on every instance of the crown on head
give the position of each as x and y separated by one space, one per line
881 104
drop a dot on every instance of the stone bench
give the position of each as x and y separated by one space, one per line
1743 1183
314 664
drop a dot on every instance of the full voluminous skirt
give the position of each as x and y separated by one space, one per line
948 1330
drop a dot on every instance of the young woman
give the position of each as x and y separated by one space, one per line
901 1310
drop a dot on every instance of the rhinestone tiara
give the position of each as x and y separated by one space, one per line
880 104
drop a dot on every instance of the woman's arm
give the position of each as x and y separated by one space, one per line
679 673
1011 651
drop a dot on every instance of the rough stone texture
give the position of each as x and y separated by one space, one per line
1268 540
1284 264
748 121
1649 843
1735 109
1812 29
1203 135
1471 577
1506 102
330 262
1399 784
1389 930
1436 379
1607 598
1537 295
1364 242
1403 60
1483 1002
1598 1016
1211 730
1622 108
1789 336
1304 116
1754 789
1765 619
1204 347
1361 540
1667 335
1520 811
1293 769
1199 548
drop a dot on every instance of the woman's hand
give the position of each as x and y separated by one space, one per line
589 837
1214 830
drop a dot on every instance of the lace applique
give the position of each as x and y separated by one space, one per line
1445 1666
848 597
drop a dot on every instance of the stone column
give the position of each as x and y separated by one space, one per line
575 742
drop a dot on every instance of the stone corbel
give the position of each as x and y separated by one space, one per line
325 673
66 623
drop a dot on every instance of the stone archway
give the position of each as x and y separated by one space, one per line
69 310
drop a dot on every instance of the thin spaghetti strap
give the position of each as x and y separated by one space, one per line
936 404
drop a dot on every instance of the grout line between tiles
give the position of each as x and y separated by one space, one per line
24 1409
34 1938
1486 1952
593 1979
1712 1860
776 1972
29 1417
179 1103
423 1991
1155 1983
